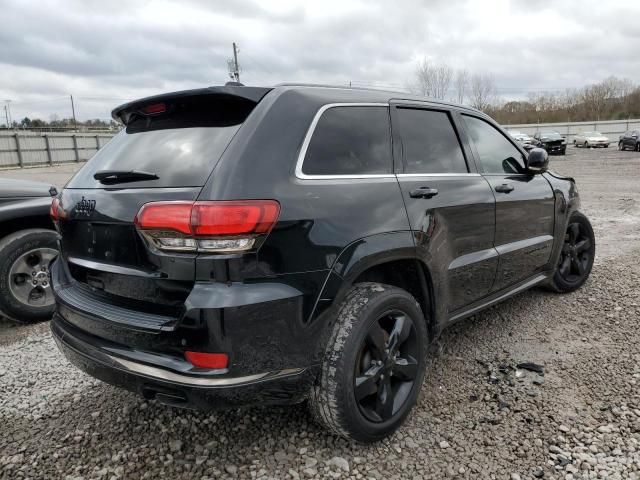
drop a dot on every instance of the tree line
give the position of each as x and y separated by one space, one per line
611 99
61 123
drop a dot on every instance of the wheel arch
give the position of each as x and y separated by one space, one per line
388 258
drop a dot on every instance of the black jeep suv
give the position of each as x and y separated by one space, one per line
240 245
552 142
28 244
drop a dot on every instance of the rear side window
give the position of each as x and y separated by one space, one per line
429 142
350 140
497 154
180 146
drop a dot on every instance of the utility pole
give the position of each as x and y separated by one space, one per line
7 110
73 110
234 68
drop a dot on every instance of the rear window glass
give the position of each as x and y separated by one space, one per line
180 146
350 140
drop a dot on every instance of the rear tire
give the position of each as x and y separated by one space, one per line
620 146
578 253
586 145
25 287
637 147
374 364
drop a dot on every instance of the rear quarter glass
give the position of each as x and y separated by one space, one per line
181 145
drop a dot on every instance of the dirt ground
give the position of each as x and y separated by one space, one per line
479 415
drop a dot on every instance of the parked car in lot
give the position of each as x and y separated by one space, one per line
591 139
552 142
28 244
630 140
525 140
242 245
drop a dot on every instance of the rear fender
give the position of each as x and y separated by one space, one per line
356 258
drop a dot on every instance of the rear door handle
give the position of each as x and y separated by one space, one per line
504 188
423 192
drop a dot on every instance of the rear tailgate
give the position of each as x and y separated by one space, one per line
178 138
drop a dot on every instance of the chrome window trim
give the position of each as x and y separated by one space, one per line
307 140
469 174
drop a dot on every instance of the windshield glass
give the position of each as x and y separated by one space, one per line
552 135
592 134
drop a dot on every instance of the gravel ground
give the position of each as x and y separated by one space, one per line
479 415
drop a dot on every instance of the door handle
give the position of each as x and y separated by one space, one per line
423 192
504 188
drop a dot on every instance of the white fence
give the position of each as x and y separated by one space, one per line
610 128
30 149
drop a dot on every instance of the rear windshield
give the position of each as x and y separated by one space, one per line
180 146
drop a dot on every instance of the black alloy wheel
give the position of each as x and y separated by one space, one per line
373 365
577 253
386 366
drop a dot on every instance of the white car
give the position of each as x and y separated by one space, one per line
591 139
522 138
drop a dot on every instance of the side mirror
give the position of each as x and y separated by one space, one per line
538 160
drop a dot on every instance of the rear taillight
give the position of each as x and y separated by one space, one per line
219 226
56 212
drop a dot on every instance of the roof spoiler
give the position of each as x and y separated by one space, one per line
252 94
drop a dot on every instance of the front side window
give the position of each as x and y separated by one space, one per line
350 140
497 154
429 142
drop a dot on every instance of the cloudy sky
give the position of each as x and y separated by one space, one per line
110 51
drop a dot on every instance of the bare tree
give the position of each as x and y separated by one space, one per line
433 80
612 98
483 91
461 83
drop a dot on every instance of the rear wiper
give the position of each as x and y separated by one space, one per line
110 177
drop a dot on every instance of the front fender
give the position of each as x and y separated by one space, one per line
11 208
19 208
567 201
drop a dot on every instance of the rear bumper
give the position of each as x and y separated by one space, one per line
273 353
148 374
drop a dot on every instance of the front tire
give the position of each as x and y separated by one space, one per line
25 286
373 365
576 258
620 146
586 145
